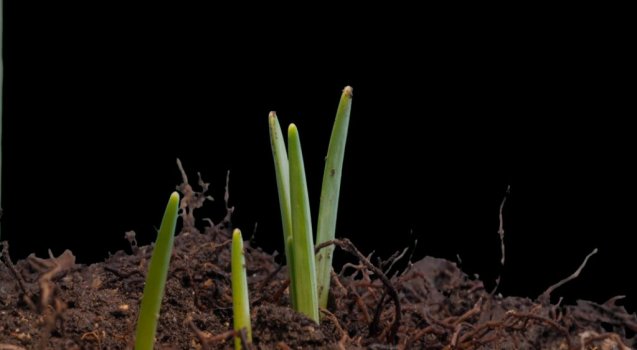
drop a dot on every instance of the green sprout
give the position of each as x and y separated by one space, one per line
1 84
282 171
240 299
330 191
308 285
303 246
156 278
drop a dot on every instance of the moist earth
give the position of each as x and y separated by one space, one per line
55 303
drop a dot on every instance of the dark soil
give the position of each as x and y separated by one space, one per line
58 304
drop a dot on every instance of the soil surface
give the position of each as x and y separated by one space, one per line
54 303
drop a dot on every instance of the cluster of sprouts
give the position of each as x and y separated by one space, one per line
309 273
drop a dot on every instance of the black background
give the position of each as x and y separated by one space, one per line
99 102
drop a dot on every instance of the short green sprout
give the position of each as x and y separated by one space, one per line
240 299
156 277
309 275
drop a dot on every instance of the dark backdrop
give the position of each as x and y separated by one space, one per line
100 102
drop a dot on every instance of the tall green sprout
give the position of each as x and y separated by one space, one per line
156 277
282 171
328 207
306 285
240 299
1 94
302 243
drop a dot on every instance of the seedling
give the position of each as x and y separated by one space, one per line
330 191
282 170
240 299
306 288
1 84
302 244
156 278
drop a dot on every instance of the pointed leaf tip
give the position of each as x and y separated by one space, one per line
348 91
236 234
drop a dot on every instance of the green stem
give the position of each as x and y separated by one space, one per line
326 226
156 278
304 265
240 298
282 171
1 94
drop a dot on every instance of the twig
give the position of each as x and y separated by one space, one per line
363 307
191 199
338 282
546 296
501 235
477 307
243 335
94 335
373 327
50 269
222 336
395 259
50 315
204 338
11 347
184 176
501 218
459 322
283 346
14 271
618 319
226 222
469 337
613 337
122 274
344 336
455 335
346 245
548 321
420 334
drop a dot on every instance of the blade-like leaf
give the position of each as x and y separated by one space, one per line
156 277
304 265
1 84
240 299
282 171
330 191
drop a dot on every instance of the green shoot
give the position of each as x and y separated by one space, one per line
156 278
283 184
240 299
1 84
330 191
306 290
304 268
